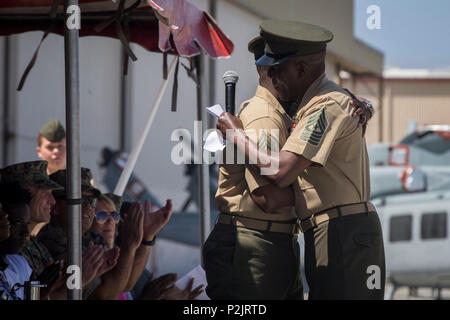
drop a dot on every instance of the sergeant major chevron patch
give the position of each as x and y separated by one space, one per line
264 141
315 128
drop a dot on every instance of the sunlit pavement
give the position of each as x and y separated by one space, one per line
404 293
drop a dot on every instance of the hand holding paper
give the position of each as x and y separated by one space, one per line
216 110
199 276
214 141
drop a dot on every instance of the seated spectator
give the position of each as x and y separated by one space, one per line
134 245
33 177
106 220
16 201
4 225
54 235
14 268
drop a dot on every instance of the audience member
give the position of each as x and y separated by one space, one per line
33 177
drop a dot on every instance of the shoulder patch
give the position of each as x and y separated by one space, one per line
264 141
315 128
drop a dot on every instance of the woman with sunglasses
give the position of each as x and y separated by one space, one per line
105 223
106 220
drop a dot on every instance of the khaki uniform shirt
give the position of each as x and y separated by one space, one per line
327 134
263 118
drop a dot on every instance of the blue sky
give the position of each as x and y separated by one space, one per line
413 34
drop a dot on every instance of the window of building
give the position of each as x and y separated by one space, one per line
400 228
434 225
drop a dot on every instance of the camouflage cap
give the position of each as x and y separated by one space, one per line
87 181
256 46
116 199
32 173
53 131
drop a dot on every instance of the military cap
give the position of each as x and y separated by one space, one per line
116 199
32 173
285 39
87 181
256 46
53 131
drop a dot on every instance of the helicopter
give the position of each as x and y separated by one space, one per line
410 187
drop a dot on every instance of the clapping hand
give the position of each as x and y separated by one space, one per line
156 289
175 293
155 221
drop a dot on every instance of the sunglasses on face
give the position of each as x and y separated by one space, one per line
102 216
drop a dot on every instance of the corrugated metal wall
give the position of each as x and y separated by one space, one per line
425 101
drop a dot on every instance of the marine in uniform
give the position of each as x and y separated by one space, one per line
51 145
251 254
33 176
326 153
54 234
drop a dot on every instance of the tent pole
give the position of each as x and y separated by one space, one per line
212 69
126 172
6 101
203 168
73 186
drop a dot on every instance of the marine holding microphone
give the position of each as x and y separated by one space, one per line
250 253
324 159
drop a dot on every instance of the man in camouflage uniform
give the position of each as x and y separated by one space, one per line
33 176
54 234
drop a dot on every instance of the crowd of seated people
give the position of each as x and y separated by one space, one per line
116 241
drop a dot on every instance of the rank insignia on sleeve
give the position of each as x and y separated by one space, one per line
264 140
315 128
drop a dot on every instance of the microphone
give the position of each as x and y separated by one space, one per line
230 78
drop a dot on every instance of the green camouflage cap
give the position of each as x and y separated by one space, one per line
53 131
256 46
32 173
285 39
87 181
116 199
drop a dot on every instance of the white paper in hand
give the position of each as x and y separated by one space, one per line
214 142
216 110
199 278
